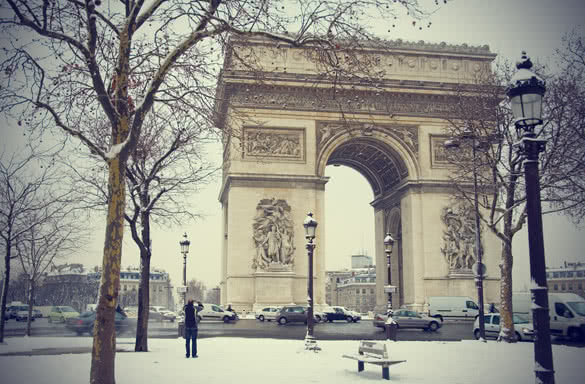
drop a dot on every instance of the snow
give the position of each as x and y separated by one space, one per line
245 360
116 149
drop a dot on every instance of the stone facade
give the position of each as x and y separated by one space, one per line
292 123
569 278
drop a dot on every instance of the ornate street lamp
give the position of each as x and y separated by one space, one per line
388 244
310 226
479 268
185 250
525 92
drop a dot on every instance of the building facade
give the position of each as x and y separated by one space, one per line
353 289
568 278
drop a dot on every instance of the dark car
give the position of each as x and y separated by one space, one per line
84 323
341 313
293 314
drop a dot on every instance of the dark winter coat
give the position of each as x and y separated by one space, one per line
191 315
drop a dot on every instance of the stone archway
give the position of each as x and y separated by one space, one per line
291 130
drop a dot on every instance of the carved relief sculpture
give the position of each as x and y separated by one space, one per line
282 143
273 235
459 238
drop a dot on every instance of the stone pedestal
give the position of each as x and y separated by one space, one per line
273 288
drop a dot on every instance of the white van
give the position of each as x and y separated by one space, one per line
452 307
566 311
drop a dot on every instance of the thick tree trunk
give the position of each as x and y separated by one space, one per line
507 332
104 340
5 285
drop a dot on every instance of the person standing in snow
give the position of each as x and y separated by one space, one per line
191 327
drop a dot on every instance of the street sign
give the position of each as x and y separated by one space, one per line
479 269
181 289
389 289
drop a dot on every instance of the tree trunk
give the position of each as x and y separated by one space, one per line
31 295
141 344
144 288
104 340
5 285
507 332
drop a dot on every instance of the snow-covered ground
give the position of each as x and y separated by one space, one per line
240 360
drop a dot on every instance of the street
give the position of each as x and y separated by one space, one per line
251 328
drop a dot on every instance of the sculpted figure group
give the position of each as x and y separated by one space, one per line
273 234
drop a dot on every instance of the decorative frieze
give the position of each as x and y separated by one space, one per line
328 100
278 143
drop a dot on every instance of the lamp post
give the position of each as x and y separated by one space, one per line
388 244
468 134
525 93
185 250
310 226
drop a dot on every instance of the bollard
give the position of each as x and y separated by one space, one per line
181 329
391 331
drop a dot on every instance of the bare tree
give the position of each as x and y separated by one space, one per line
46 240
566 111
30 196
482 114
74 63
196 289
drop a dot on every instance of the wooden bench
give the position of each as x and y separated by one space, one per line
374 352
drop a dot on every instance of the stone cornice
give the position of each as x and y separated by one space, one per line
383 46
235 178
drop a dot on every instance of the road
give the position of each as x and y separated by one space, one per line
363 330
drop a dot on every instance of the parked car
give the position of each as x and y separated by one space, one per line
522 325
13 310
406 318
341 313
36 313
23 316
166 314
267 313
293 314
84 323
215 312
60 313
320 316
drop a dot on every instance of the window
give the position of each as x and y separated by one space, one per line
570 287
562 310
556 287
580 286
357 291
570 274
125 287
555 274
372 291
364 291
548 275
563 274
579 273
563 287
471 304
487 319
496 320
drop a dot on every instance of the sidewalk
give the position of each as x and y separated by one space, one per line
225 360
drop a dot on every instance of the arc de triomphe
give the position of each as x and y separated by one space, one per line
290 125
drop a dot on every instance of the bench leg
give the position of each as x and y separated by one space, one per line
360 366
386 373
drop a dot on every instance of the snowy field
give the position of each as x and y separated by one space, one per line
240 360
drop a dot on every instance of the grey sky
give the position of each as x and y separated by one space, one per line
507 26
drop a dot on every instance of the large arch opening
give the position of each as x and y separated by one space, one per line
362 171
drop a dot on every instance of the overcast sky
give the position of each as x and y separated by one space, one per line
507 26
